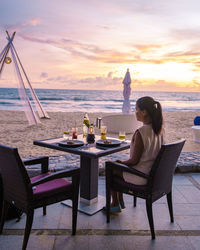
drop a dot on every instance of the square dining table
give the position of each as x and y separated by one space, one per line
90 201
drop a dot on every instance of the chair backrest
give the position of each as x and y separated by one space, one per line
14 176
164 167
121 122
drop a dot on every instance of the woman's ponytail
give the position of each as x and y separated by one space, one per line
157 118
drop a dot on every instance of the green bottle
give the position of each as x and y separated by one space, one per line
86 124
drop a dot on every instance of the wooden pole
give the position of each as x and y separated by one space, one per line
4 53
7 50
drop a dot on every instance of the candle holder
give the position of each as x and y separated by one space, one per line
90 138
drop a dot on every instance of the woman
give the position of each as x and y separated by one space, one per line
145 145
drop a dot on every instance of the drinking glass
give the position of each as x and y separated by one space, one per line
66 135
103 132
122 135
74 133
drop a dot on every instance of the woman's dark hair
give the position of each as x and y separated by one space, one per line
154 110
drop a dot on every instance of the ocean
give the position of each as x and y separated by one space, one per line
98 100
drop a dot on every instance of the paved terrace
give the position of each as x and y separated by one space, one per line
127 230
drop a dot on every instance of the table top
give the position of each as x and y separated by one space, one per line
89 150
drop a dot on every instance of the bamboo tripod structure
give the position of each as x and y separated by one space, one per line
31 115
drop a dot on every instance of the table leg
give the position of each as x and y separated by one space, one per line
90 202
89 180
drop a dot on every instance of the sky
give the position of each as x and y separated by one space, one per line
89 44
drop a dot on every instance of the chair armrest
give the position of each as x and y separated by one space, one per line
44 161
36 160
110 165
57 175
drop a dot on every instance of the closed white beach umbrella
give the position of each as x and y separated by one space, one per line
126 108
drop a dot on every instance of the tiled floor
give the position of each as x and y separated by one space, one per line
127 230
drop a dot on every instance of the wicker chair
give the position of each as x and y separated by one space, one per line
159 181
28 194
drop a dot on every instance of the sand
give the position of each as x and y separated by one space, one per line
15 132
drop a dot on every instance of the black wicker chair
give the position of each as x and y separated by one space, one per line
159 181
28 194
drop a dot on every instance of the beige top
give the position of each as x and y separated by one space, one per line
152 144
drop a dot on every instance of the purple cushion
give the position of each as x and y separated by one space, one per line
51 187
120 181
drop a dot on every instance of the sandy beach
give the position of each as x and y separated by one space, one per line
14 129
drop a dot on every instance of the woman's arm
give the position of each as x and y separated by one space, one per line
138 148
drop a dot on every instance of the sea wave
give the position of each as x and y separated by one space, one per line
6 103
3 97
51 99
98 101
79 99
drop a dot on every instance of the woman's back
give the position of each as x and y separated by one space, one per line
152 144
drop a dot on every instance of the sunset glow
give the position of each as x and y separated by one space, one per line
90 44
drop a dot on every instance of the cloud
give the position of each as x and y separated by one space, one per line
32 22
59 79
84 50
136 7
71 82
19 26
110 74
196 66
144 54
185 34
136 54
93 52
184 53
105 27
43 75
190 55
147 47
196 83
110 82
163 85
